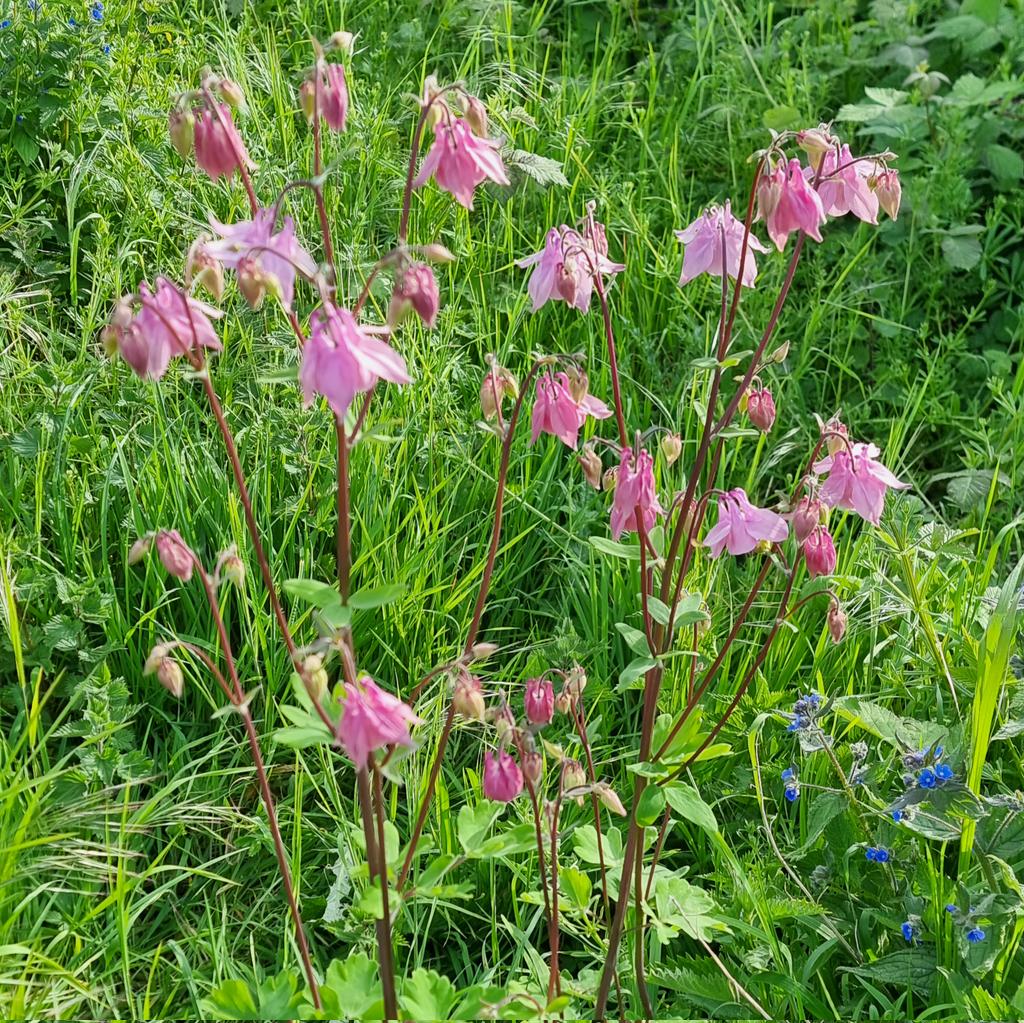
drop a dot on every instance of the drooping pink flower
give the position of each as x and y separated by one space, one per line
340 359
278 256
761 409
460 160
557 412
220 150
175 555
634 487
539 701
786 202
564 269
886 184
415 289
857 481
334 97
715 234
150 328
819 552
836 619
372 718
503 780
844 188
805 517
741 526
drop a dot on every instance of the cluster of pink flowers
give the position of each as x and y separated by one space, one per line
562 407
371 719
564 270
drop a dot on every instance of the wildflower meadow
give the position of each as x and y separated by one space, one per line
511 511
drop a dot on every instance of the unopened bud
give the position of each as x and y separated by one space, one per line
886 184
202 269
816 142
573 776
476 116
761 409
233 570
497 385
671 447
769 192
504 723
231 93
611 477
307 98
838 436
836 623
468 698
805 517
481 651
140 549
590 462
431 89
608 796
579 384
156 657
181 126
780 353
532 764
563 703
314 676
252 282
344 41
435 252
169 675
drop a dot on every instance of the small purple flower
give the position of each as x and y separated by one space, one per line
909 930
975 934
96 12
897 815
943 772
926 779
950 907
879 855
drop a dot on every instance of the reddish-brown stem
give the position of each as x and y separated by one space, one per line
318 192
613 362
595 802
361 418
658 846
239 702
421 816
638 945
554 972
208 661
344 538
375 858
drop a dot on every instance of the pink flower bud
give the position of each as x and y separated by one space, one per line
169 675
231 93
590 462
836 623
220 150
533 767
181 126
232 569
539 701
437 253
816 142
503 721
838 437
611 478
819 552
314 676
503 780
573 776
252 282
886 185
203 270
415 290
481 651
497 385
307 98
175 555
806 517
140 549
761 409
476 116
608 796
671 447
468 698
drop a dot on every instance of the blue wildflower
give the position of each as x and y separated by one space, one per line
909 930
792 793
19 118
897 815
975 934
943 772
72 23
96 12
788 774
879 855
882 856
926 779
950 907
6 23
871 853
106 47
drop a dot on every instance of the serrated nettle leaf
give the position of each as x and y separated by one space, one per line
907 967
636 669
651 805
687 803
541 169
312 591
681 906
635 639
614 549
376 596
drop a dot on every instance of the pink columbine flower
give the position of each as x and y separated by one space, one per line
886 184
278 256
786 202
148 329
819 552
857 481
761 409
415 289
844 186
634 487
175 555
557 412
460 160
341 359
539 701
714 235
372 718
836 623
564 269
503 780
334 97
805 518
220 150
741 526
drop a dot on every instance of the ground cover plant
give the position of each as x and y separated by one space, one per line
462 597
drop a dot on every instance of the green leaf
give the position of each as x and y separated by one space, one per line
519 839
915 968
686 801
584 843
660 611
474 823
651 805
352 990
636 668
884 724
371 901
576 885
311 591
1005 163
25 146
232 999
635 639
427 995
541 169
690 611
961 252
376 596
301 737
275 998
781 118
613 549
681 906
